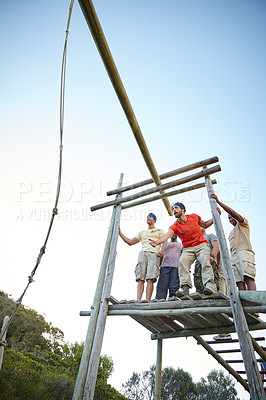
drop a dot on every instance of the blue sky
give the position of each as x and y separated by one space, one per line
194 72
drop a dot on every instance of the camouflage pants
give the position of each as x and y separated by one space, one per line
198 279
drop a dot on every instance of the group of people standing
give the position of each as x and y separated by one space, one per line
172 261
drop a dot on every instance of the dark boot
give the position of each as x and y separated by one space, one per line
185 289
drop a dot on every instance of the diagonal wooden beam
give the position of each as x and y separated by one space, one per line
221 361
105 53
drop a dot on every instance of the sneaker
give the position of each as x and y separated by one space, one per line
207 291
222 336
183 291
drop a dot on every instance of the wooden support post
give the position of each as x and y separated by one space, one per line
158 372
105 53
81 378
3 338
253 375
101 321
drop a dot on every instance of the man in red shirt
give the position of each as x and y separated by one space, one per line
195 246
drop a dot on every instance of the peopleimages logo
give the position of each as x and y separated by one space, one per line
35 200
45 191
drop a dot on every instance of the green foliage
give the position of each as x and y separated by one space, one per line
133 388
178 385
217 386
39 365
105 391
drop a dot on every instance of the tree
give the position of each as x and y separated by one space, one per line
218 387
39 365
176 384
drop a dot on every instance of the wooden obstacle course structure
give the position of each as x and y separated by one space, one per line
194 316
86 379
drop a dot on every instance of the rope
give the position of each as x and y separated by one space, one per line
55 210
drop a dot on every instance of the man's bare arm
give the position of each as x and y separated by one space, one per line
130 242
205 224
229 210
162 250
215 247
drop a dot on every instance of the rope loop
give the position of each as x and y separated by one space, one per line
30 279
3 343
55 211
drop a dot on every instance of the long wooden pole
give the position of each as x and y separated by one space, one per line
222 362
258 349
81 378
253 375
254 296
101 322
3 336
158 371
105 53
204 331
165 186
169 174
181 312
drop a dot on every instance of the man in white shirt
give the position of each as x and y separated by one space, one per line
147 268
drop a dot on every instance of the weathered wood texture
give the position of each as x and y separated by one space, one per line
221 361
168 194
207 314
254 379
159 188
158 371
101 322
81 378
166 175
3 338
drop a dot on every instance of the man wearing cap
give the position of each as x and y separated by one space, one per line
195 246
147 268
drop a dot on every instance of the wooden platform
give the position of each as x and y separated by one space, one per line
191 316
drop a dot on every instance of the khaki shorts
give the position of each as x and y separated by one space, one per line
148 266
243 268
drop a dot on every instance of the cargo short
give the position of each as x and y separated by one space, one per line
243 268
148 266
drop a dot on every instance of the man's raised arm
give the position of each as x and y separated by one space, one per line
130 242
229 210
